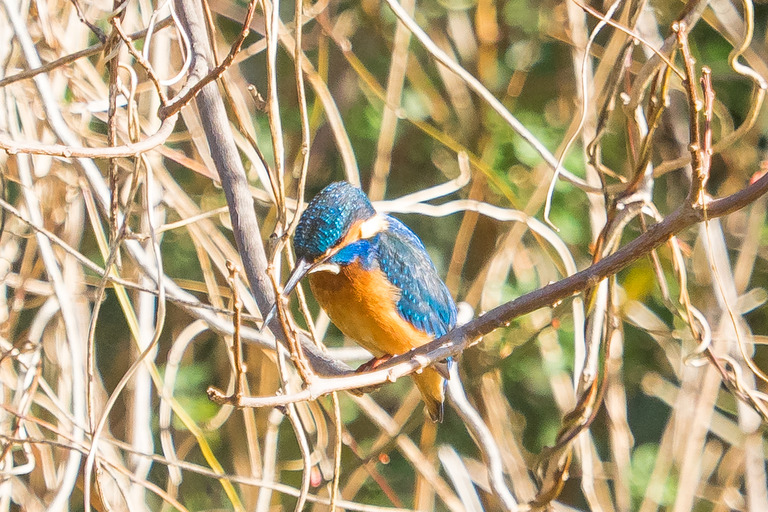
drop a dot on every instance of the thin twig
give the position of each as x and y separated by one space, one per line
271 10
584 110
13 146
483 438
301 437
72 57
116 23
178 102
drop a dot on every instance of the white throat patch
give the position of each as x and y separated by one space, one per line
326 267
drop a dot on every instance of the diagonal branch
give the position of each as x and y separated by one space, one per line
470 334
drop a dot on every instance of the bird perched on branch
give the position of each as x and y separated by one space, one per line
374 278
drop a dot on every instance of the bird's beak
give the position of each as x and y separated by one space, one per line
301 269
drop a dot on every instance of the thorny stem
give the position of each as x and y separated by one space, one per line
112 52
698 177
237 307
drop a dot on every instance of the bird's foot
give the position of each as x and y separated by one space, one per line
365 367
373 363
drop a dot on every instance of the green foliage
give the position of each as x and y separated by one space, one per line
191 383
643 461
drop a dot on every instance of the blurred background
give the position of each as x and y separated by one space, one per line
669 427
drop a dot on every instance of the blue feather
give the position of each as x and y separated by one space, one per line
363 251
359 298
328 217
424 299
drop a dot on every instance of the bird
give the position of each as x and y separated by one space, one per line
375 279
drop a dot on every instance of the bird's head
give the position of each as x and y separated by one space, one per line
336 218
339 215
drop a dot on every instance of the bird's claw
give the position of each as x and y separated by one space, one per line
373 363
366 367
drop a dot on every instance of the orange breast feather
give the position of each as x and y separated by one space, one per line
363 305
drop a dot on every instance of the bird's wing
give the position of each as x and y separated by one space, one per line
424 301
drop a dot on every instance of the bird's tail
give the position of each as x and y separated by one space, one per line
432 387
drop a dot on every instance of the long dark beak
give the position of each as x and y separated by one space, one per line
301 269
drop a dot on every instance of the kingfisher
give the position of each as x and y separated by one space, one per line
374 278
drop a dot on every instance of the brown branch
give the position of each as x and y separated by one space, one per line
468 335
682 218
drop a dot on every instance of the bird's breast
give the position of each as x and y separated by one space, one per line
362 303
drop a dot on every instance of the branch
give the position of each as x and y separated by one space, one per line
456 341
245 224
13 147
